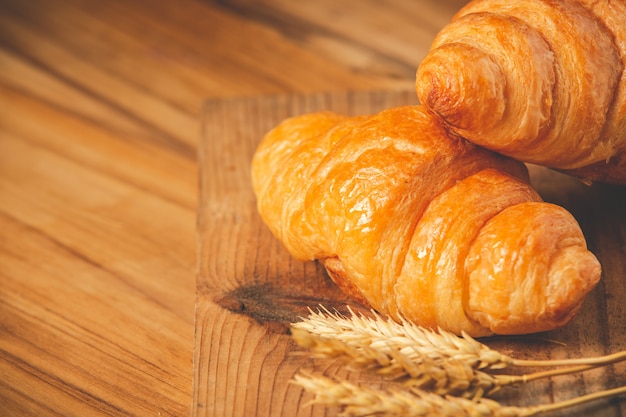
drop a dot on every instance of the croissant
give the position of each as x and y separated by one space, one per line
542 81
420 224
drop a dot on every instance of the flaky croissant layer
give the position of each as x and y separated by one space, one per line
421 224
543 81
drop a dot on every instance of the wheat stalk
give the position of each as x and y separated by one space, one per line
434 365
355 401
387 335
361 401
437 361
450 376
441 376
417 343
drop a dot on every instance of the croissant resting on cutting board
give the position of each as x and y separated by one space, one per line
543 81
421 224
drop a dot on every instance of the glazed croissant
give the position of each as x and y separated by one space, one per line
421 224
543 81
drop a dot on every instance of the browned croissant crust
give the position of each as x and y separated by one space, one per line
421 224
543 81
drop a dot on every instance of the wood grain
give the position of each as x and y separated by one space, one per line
249 288
101 105
100 112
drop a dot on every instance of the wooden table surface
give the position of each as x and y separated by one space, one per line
101 107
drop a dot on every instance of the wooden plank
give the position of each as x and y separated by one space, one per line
96 296
76 293
249 289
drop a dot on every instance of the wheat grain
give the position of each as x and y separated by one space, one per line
405 337
449 376
432 364
356 400
416 342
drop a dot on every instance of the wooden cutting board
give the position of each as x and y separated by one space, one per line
249 289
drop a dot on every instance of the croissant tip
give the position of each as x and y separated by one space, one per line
463 87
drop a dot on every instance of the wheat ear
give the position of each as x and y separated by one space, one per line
449 376
413 341
355 401
416 342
